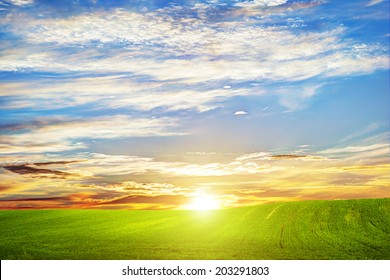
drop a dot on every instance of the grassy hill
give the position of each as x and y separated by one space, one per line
343 229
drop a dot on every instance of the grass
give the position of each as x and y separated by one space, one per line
343 229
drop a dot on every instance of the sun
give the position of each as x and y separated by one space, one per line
202 202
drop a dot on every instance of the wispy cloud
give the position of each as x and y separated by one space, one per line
63 133
363 132
296 98
98 164
374 2
113 92
356 149
153 44
21 2
374 150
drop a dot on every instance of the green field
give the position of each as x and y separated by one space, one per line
343 229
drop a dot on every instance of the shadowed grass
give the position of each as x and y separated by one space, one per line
343 229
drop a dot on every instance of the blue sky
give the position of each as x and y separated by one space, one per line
154 102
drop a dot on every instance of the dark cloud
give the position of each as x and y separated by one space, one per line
56 198
55 162
27 169
295 156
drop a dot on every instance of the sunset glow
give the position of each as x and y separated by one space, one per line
202 202
143 104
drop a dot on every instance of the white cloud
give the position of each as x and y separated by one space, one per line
21 2
261 3
152 44
271 2
240 113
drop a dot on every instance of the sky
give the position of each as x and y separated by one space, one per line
152 104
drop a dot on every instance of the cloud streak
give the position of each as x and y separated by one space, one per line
62 133
113 92
374 2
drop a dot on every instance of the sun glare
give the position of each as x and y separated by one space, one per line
202 202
